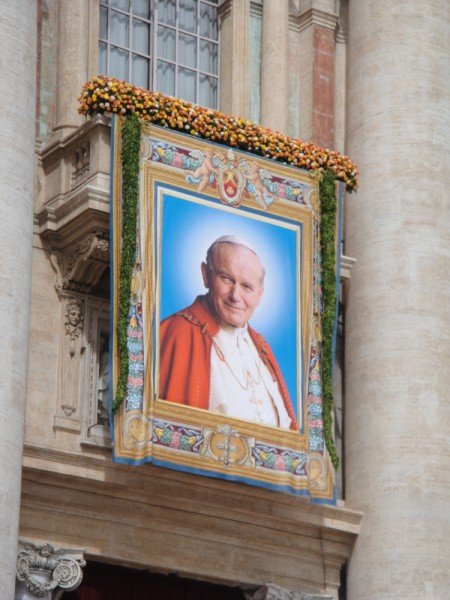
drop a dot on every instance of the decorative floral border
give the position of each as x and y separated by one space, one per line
109 95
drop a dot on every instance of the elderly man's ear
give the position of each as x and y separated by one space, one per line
205 275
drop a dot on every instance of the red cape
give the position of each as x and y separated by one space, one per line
186 339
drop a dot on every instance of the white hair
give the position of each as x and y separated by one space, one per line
230 239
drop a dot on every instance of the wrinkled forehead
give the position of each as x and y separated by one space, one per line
226 254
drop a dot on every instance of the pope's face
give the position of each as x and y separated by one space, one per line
235 283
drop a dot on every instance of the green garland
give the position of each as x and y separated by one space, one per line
328 257
131 132
131 140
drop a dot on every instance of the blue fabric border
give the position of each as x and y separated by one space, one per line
112 244
235 478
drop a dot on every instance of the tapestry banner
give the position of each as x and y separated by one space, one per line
224 320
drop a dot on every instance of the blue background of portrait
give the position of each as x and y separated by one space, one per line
189 228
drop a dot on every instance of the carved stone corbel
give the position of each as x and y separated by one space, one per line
46 572
80 267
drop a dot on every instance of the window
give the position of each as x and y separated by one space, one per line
170 46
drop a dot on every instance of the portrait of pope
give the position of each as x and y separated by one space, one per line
211 357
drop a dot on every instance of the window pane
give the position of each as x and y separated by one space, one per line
141 8
208 57
118 28
141 36
187 15
122 4
165 78
102 59
103 23
186 84
208 91
187 50
140 71
118 63
166 43
166 11
208 21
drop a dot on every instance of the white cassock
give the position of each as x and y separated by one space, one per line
241 384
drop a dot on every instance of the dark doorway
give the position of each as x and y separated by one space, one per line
108 582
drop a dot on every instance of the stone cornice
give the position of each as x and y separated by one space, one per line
58 143
85 469
316 16
62 218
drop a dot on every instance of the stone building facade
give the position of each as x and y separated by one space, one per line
368 78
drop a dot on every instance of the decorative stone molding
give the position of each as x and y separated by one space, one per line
317 12
347 263
82 265
270 591
46 572
72 346
81 163
94 389
73 190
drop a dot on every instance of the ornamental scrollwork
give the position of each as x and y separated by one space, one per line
61 569
81 266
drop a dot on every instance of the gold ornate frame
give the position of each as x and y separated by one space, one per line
226 447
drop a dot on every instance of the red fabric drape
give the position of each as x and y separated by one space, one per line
108 582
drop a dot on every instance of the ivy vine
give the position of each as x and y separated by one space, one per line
131 139
328 257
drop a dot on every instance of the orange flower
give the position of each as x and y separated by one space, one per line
123 98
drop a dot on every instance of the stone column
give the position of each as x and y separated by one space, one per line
398 305
234 31
17 130
274 72
46 572
72 62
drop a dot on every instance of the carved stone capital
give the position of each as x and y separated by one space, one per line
318 12
46 572
270 591
80 266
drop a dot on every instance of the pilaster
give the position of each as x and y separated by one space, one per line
234 18
317 24
340 77
274 58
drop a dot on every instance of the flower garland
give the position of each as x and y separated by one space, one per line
109 95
